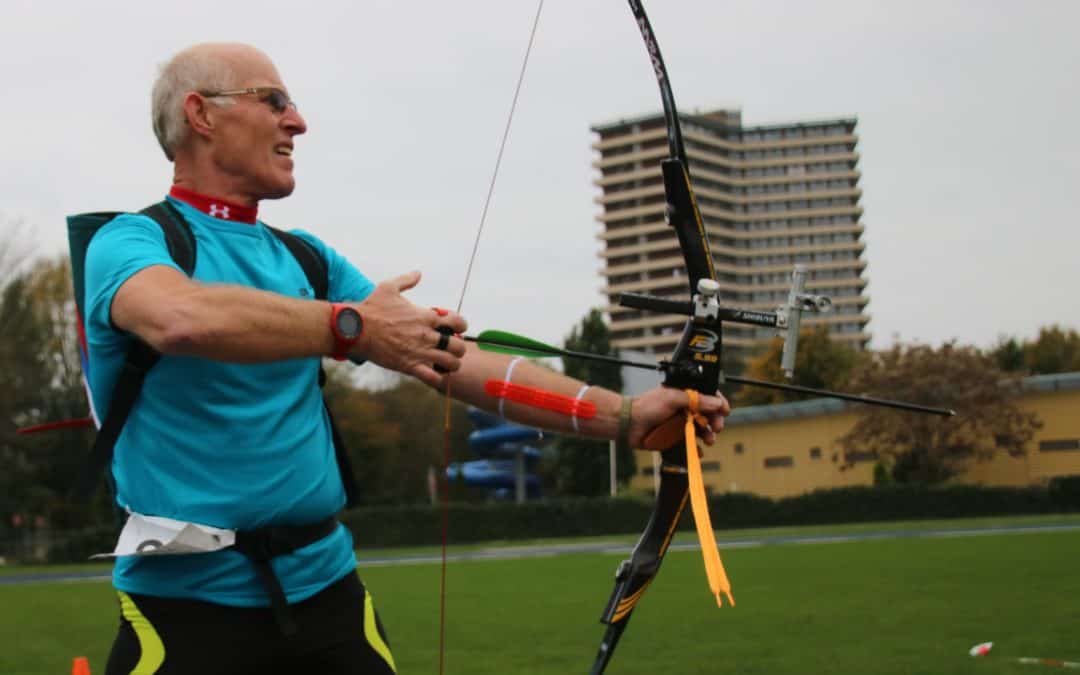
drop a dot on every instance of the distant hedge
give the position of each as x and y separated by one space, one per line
389 526
378 527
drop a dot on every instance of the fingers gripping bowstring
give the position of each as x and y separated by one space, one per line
461 301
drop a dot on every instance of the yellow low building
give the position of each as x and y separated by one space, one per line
792 448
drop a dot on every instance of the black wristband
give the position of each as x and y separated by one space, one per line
622 439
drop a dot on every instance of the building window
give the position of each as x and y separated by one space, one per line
738 448
856 457
1059 445
815 453
647 471
710 467
779 462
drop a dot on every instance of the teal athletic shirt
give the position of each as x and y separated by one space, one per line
230 445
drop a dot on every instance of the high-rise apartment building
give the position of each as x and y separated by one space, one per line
771 196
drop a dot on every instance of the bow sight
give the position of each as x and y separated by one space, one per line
708 314
702 340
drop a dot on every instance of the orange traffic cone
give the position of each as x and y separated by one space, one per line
80 665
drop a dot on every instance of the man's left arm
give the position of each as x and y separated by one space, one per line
648 411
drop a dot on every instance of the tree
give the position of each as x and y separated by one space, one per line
582 467
394 435
820 362
1008 354
41 377
1054 350
15 250
930 449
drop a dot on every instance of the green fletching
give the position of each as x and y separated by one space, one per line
509 343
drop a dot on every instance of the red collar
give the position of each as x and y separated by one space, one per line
217 208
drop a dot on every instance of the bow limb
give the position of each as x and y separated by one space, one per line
695 365
636 573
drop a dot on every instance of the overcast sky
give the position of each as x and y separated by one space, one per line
968 118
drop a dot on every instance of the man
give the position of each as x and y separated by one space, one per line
229 430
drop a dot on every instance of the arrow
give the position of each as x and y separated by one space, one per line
504 342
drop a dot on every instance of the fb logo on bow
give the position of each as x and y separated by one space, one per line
704 341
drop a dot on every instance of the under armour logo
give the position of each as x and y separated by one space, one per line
219 211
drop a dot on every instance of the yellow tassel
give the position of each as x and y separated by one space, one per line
714 568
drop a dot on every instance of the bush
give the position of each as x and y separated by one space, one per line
469 523
390 526
1064 492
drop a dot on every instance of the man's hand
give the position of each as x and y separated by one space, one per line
405 337
659 414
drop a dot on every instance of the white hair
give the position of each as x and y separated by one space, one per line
193 69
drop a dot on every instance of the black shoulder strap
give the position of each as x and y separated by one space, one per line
140 357
178 236
318 275
313 264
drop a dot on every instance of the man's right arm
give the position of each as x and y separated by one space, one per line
134 286
177 315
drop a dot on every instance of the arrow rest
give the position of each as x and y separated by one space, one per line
706 304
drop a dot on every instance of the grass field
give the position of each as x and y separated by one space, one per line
880 606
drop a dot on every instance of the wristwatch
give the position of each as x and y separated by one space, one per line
346 325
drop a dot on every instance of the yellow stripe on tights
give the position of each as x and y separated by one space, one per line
371 632
151 649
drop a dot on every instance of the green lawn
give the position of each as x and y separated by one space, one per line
886 606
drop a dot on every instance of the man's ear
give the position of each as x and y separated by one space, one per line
199 114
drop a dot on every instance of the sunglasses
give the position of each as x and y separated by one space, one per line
276 98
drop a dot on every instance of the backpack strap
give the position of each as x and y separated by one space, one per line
312 262
318 275
178 236
140 357
341 453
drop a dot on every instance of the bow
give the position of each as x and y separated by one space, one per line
695 365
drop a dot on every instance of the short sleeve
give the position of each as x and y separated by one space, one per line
128 244
347 284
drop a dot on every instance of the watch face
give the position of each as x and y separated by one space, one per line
349 323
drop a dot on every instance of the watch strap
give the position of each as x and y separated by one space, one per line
342 343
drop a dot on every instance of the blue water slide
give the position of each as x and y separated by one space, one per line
499 443
493 437
490 473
